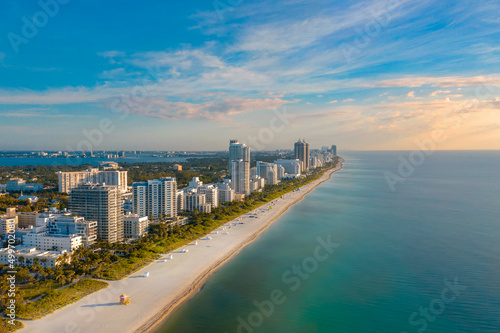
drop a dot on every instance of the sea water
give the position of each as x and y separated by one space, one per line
422 256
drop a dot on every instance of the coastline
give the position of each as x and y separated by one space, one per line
95 313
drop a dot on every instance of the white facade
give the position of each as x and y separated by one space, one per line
156 197
292 167
226 194
45 242
71 180
211 193
195 201
237 151
240 177
30 255
135 226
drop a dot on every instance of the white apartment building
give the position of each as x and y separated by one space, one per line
71 180
45 242
155 197
196 201
240 177
292 167
27 256
226 194
211 193
135 226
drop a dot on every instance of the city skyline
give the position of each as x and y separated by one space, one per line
368 77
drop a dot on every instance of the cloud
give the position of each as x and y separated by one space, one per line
219 110
333 102
449 81
434 93
411 94
348 100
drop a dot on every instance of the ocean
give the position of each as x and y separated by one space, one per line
359 256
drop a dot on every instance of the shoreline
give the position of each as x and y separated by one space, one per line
196 286
171 282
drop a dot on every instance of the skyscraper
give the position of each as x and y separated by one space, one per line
101 203
238 151
155 197
334 150
302 154
240 177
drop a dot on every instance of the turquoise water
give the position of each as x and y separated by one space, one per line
396 249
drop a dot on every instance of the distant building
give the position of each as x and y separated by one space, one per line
30 198
156 197
71 180
135 226
302 154
8 224
334 150
237 151
240 177
195 183
27 219
268 171
65 224
101 203
18 185
177 167
196 201
211 194
292 167
226 194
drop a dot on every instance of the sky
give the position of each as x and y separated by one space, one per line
190 75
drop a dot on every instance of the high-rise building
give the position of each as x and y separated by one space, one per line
240 177
302 154
101 203
268 171
211 193
292 167
156 197
70 180
334 150
196 201
237 151
226 193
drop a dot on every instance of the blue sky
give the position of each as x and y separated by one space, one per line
190 75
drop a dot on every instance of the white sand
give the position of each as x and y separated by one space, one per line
169 283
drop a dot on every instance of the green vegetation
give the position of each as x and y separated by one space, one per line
163 238
6 326
42 290
57 298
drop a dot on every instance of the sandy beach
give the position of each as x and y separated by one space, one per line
170 281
